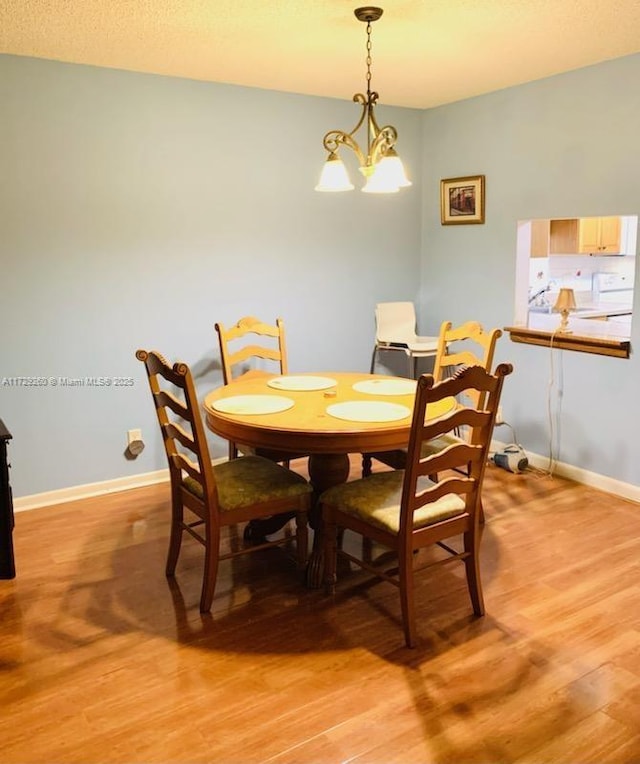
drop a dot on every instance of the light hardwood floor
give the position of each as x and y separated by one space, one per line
102 661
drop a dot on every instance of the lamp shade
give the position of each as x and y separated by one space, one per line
391 168
379 183
566 301
334 176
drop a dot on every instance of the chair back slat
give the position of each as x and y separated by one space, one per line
251 325
445 487
255 351
451 458
175 431
184 464
165 399
460 417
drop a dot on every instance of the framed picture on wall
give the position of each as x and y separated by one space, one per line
462 200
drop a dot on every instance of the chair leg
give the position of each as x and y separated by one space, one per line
302 539
233 451
211 560
472 568
407 599
367 550
373 359
366 465
330 554
175 539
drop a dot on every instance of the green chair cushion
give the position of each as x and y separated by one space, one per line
251 480
376 499
435 445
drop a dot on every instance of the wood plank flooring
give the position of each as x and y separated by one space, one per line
102 660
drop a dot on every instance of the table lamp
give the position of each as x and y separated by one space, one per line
565 303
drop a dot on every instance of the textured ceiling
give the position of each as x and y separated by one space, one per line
425 52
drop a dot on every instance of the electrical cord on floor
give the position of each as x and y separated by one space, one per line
513 432
552 460
550 466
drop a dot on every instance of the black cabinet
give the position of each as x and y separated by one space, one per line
7 564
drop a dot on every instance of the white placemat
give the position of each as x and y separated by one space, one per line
439 408
386 386
368 411
291 382
253 404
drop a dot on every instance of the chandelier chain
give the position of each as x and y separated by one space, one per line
368 58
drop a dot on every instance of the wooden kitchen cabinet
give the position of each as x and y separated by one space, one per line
540 231
585 236
599 236
563 237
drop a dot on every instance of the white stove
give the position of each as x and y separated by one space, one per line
613 288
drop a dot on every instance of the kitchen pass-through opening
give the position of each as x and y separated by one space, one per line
594 257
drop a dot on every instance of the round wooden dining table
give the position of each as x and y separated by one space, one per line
307 426
327 416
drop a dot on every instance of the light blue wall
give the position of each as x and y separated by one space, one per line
561 147
138 210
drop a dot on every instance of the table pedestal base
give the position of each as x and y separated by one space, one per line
325 471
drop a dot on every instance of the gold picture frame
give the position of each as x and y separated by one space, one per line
462 200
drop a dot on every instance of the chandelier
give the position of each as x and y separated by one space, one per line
381 166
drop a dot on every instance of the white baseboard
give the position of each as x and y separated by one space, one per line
88 490
74 493
592 479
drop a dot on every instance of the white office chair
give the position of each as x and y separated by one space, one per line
396 330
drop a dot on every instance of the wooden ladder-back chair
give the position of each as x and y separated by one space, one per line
237 491
239 348
465 345
272 349
405 510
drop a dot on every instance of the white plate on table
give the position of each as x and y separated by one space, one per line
386 386
368 411
291 382
247 405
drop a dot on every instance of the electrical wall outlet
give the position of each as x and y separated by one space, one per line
133 435
135 444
